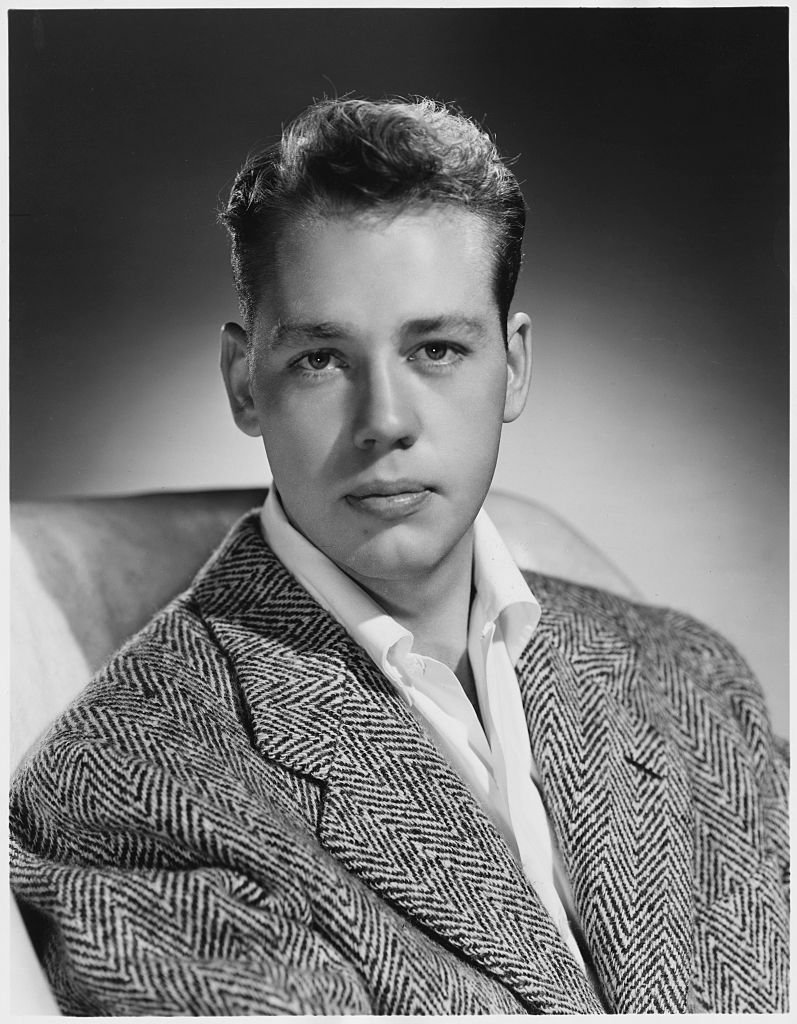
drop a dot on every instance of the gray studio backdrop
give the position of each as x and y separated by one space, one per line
653 147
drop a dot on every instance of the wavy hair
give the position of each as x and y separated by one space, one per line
359 156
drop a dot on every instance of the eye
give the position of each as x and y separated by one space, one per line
436 351
318 360
314 363
437 354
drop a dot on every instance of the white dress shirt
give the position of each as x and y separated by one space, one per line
495 761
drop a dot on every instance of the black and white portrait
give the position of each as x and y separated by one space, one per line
432 657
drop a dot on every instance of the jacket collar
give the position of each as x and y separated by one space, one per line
396 815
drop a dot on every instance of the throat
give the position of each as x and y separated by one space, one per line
436 610
464 673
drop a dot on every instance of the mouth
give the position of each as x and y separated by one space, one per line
389 499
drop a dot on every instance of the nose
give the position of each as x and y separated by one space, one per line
385 415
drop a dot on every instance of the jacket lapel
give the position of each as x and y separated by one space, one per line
398 816
619 806
393 812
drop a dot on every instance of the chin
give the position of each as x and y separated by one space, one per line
388 558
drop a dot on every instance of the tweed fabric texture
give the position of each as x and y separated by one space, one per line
239 816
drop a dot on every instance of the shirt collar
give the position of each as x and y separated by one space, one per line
502 592
503 596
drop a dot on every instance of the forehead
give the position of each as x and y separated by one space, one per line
428 262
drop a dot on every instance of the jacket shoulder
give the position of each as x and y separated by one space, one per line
577 612
174 658
166 678
687 669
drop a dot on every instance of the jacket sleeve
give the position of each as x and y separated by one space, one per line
149 892
127 943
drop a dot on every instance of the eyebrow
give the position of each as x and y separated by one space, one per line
286 331
451 323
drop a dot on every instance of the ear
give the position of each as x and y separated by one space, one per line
518 365
235 371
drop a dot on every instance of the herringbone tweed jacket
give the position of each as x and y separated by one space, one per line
239 816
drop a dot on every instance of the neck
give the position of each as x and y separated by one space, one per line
436 609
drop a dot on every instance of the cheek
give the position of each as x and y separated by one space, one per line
476 453
477 415
294 433
294 444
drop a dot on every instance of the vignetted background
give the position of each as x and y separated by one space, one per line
653 147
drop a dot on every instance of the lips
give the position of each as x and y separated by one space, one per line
387 488
389 499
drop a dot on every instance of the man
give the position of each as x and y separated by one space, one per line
363 765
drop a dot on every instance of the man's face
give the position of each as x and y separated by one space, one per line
379 379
